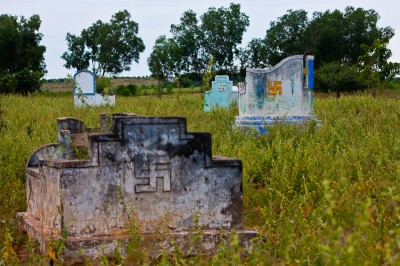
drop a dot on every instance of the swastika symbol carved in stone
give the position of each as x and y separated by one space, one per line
149 168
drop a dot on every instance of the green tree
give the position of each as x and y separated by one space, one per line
375 64
164 60
78 57
109 47
285 37
339 36
360 27
219 34
338 77
330 35
325 37
22 64
254 54
222 30
188 37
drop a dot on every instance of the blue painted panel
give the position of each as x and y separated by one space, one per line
310 72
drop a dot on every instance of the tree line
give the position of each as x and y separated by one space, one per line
351 51
22 64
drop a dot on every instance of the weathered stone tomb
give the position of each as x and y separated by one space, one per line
90 185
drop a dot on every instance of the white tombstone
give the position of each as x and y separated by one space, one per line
85 90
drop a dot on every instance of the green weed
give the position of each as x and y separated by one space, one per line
324 195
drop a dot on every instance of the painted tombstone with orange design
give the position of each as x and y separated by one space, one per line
283 93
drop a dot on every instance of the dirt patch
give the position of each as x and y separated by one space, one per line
136 81
57 86
67 85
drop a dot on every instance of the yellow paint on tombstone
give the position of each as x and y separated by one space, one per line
275 87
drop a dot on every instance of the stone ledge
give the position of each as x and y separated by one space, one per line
261 123
196 242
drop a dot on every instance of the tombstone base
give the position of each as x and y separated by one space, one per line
261 123
93 100
195 242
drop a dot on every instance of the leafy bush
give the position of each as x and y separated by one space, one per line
127 90
122 90
185 82
170 87
22 82
338 77
133 89
102 83
392 83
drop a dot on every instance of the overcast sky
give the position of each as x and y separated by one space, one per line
156 16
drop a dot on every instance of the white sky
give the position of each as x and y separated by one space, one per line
156 16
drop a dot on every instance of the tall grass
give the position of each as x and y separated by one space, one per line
323 195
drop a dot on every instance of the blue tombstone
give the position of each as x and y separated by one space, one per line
283 93
221 93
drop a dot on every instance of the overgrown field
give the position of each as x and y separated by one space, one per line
319 196
65 85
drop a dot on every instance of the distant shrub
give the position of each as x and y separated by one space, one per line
56 80
102 83
127 90
122 90
185 82
133 89
22 82
170 87
392 84
153 88
338 77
